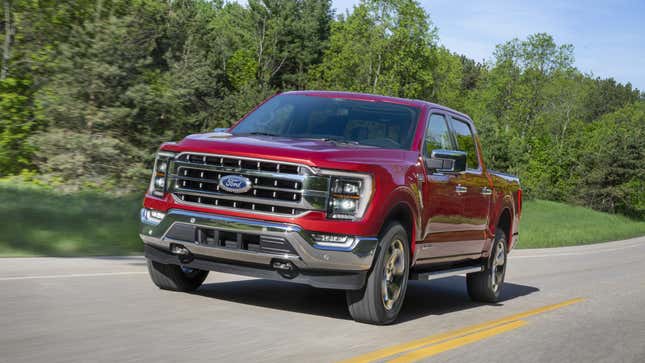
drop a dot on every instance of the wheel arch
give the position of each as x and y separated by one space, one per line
402 213
505 223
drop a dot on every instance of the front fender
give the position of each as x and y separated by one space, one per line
408 198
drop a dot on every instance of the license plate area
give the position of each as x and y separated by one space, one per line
243 241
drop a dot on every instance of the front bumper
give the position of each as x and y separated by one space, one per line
252 247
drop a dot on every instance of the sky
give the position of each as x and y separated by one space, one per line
608 36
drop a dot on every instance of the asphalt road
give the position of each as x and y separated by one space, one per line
107 310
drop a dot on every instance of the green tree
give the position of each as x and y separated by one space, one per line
31 32
527 100
88 104
606 96
448 77
381 47
16 125
613 162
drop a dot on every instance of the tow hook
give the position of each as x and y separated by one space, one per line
185 256
286 269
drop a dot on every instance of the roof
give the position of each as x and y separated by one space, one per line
378 98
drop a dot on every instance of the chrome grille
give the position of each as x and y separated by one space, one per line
277 187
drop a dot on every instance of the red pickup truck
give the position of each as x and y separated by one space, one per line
335 190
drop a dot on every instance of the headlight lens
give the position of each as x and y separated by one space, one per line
160 183
346 186
350 195
345 205
159 173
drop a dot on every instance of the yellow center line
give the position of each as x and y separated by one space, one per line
416 355
415 344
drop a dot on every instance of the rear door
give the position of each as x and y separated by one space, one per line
475 189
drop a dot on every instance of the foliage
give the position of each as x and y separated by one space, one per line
552 224
92 88
16 125
534 100
612 168
382 47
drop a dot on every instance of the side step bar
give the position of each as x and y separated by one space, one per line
431 275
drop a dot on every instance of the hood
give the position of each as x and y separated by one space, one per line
317 153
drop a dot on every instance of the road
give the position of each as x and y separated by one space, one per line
107 310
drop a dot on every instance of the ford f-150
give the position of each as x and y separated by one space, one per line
335 190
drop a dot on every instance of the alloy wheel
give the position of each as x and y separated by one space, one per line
393 274
498 266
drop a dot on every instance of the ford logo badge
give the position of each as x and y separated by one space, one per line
235 184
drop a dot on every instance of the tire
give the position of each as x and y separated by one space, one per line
486 286
380 301
174 277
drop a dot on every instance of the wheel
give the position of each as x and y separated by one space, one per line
486 286
174 277
380 300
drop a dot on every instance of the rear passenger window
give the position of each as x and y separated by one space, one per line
466 142
437 134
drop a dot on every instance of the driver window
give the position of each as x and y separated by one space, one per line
437 135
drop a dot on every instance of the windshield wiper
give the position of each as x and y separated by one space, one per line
339 141
333 139
258 133
325 139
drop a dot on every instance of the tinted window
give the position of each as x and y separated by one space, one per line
378 124
437 134
466 142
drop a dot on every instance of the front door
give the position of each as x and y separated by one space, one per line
442 204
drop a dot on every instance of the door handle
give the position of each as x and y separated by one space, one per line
487 191
461 189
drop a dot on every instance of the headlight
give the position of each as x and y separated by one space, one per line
350 194
159 179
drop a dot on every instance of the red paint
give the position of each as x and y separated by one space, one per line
469 221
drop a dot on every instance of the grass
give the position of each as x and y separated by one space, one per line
39 222
551 224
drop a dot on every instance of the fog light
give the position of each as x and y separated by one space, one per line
332 240
157 214
151 216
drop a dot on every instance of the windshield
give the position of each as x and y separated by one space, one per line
378 124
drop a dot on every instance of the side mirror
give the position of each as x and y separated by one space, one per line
446 161
221 129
